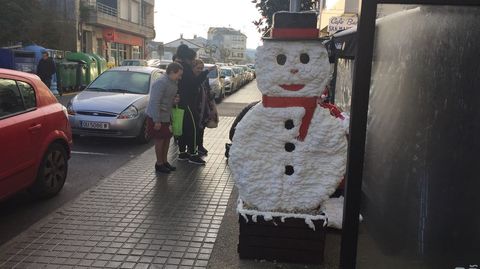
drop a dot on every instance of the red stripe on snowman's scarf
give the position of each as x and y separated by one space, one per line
334 110
308 103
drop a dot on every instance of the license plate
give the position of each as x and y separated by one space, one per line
94 125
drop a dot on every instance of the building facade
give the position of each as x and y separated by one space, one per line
230 44
336 15
113 29
196 43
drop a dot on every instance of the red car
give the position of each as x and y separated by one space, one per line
35 136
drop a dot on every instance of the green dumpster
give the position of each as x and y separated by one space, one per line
88 63
66 75
101 63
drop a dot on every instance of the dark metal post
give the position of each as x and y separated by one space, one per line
358 124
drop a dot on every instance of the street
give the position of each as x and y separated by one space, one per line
92 160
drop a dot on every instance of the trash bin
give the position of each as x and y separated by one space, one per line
88 64
6 59
66 75
83 74
101 63
24 61
37 50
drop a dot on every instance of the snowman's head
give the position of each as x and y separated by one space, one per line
292 68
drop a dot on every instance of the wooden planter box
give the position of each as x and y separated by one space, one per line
288 241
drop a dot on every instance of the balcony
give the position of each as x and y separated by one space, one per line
106 16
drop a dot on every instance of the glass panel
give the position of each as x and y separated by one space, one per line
28 94
10 98
213 74
343 85
134 12
122 81
420 185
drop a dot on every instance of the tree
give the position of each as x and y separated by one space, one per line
268 7
28 21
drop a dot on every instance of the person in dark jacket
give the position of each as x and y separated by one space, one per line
46 69
188 90
207 110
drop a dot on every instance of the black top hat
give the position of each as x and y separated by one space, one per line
294 26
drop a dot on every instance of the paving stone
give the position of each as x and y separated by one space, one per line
134 217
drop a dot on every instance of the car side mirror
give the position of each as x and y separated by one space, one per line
222 76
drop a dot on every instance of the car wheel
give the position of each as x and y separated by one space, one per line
143 137
221 95
51 173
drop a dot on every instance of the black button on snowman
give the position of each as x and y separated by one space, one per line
288 153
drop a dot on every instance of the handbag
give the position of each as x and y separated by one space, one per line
177 121
212 122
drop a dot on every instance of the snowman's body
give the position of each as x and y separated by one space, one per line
273 169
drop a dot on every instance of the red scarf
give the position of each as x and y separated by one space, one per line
308 103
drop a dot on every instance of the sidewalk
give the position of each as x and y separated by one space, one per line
137 219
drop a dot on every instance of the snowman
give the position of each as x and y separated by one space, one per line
289 153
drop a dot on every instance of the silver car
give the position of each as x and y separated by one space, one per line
216 83
114 104
231 79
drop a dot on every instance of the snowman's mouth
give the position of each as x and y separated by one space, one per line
292 87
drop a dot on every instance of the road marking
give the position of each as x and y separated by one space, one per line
90 153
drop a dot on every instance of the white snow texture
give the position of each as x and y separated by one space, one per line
258 157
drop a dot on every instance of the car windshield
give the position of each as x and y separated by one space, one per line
122 81
128 63
226 72
213 74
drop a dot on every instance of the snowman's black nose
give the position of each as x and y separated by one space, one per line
293 70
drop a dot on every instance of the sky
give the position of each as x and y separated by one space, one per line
194 17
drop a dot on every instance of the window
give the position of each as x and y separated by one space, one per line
11 101
122 81
135 9
136 52
124 10
28 94
213 73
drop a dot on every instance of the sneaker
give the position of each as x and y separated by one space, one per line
169 166
202 151
162 169
183 156
196 159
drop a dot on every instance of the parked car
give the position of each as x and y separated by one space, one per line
35 136
163 64
134 62
241 74
247 72
216 82
232 80
114 104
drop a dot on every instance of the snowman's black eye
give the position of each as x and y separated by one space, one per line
281 59
304 58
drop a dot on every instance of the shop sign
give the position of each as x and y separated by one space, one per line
111 35
341 23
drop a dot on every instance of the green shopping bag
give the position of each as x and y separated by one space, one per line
177 121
